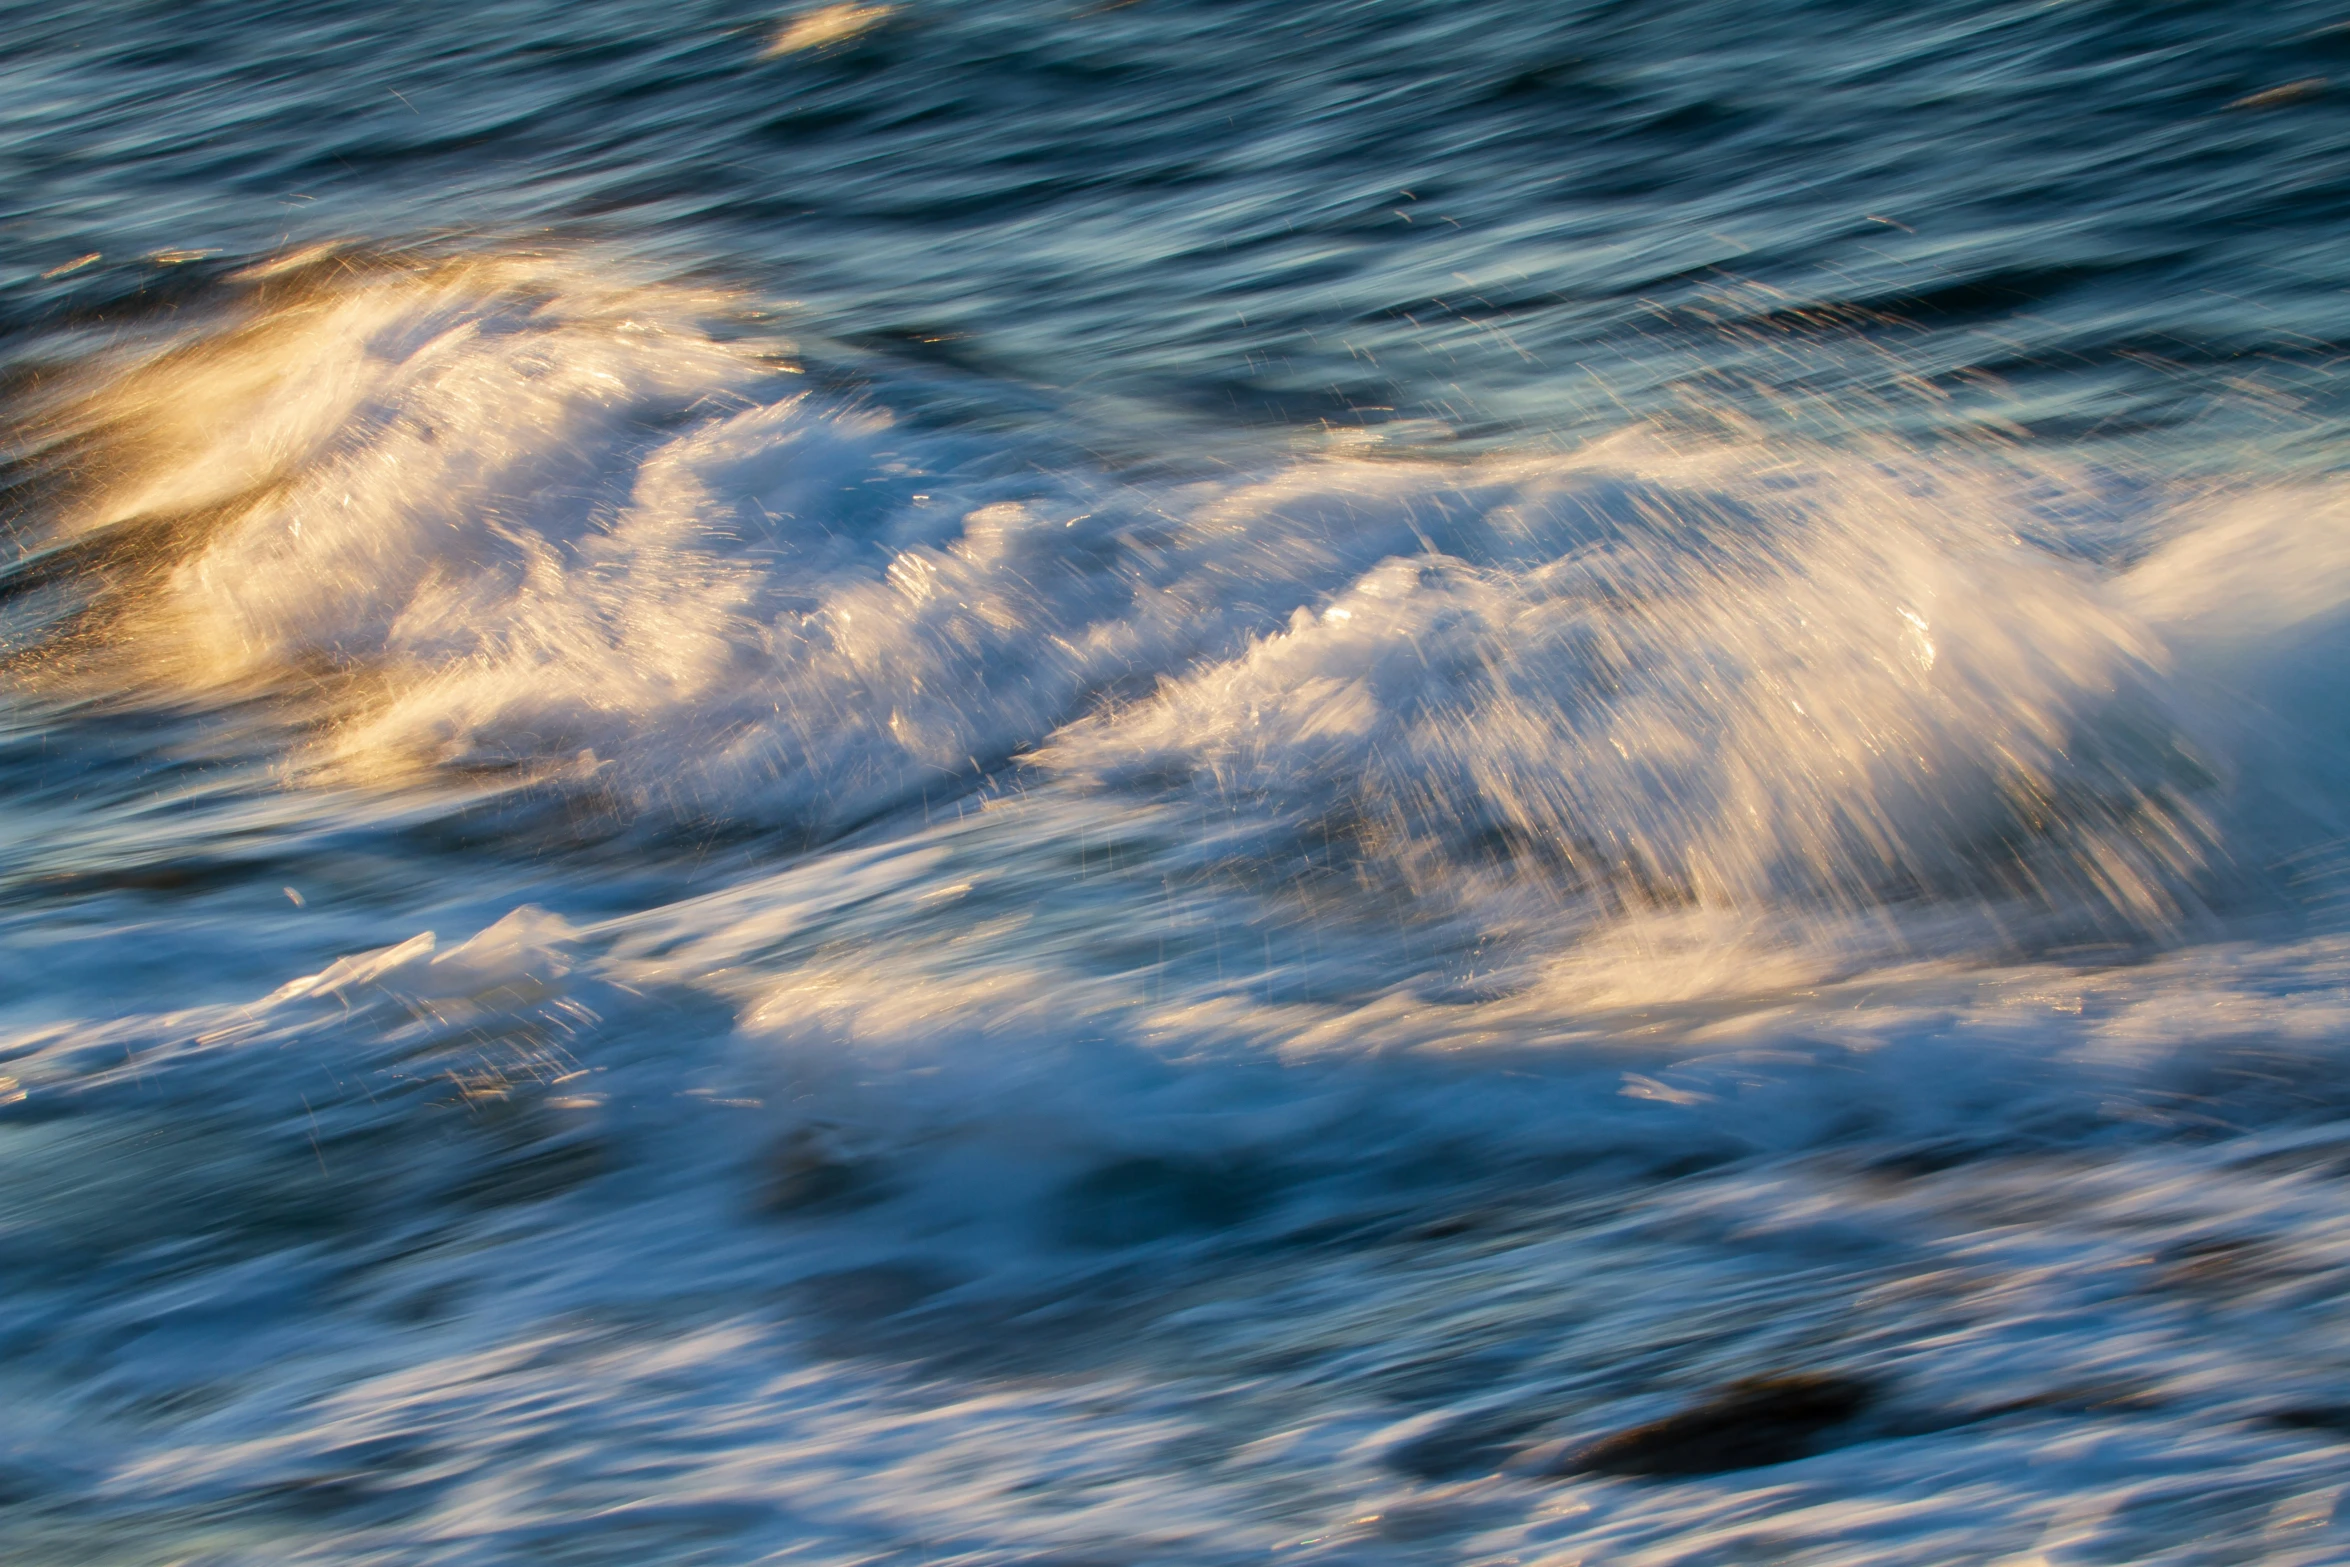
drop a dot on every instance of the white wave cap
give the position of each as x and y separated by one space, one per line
517 520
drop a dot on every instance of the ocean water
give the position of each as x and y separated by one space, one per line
1189 781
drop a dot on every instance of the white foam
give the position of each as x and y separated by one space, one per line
536 520
1640 723
2253 593
1836 690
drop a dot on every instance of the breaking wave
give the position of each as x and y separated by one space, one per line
596 542
1188 864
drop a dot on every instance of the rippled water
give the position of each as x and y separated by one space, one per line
1173 783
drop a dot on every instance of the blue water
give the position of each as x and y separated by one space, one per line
1173 783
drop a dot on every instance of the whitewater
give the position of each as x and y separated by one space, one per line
641 929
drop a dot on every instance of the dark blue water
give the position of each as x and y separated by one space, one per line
1505 221
1173 783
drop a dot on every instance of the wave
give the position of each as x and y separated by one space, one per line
1381 888
598 543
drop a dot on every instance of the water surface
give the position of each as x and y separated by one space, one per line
1173 783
